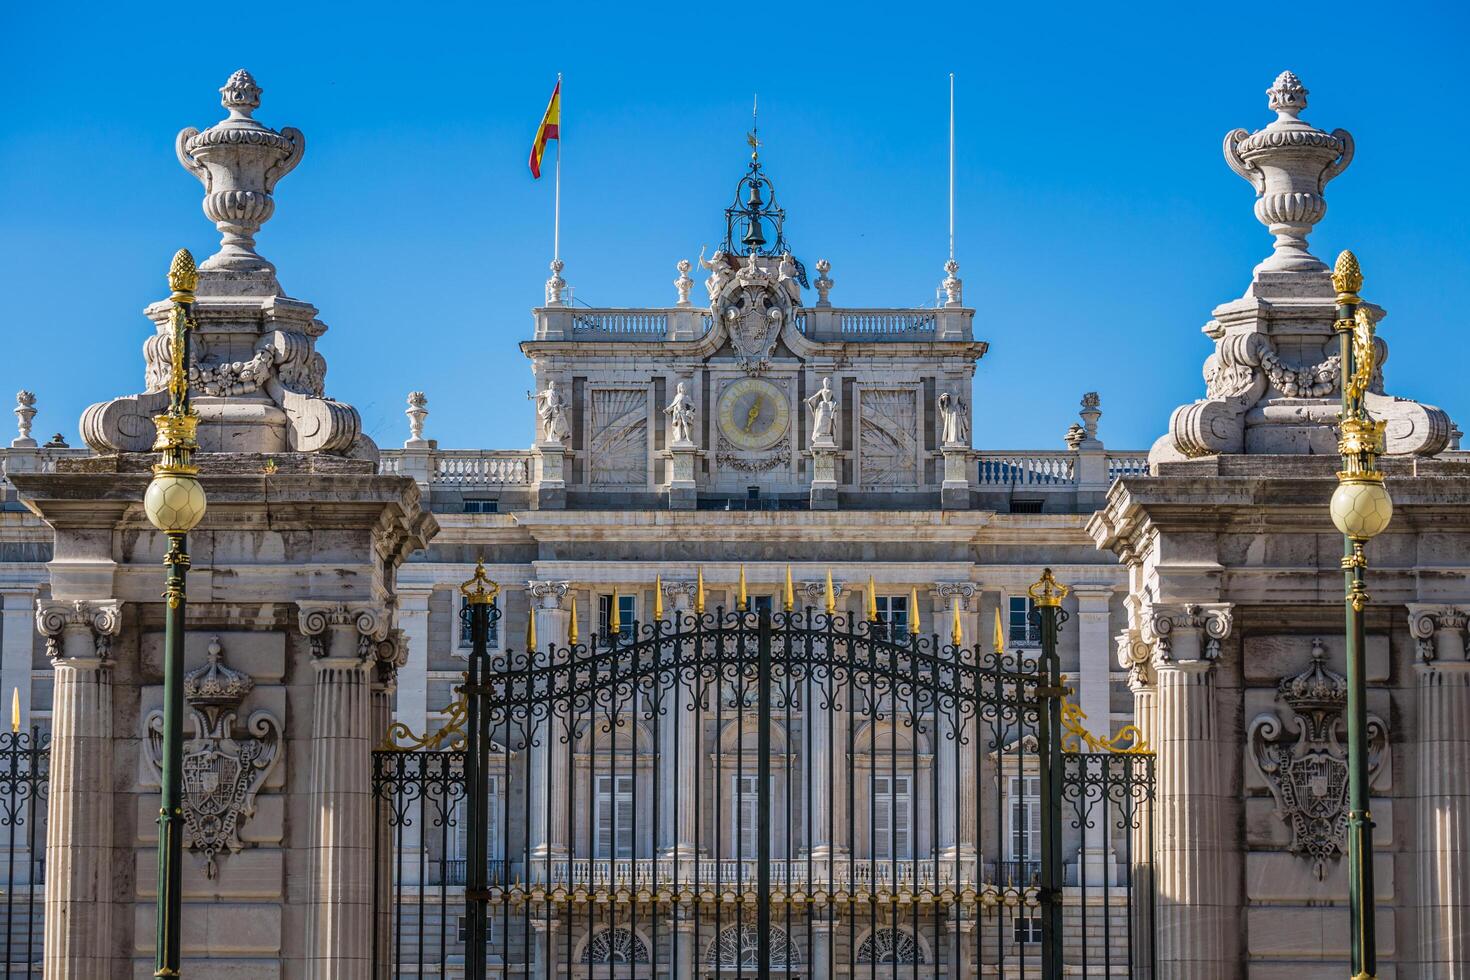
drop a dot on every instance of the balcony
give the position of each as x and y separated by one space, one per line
692 322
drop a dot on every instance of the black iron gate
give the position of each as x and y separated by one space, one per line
764 793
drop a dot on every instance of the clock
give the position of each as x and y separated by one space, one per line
753 414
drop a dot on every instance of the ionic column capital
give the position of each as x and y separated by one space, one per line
954 593
79 630
548 593
332 626
1136 657
1439 630
1187 634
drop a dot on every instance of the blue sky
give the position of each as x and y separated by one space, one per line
1097 222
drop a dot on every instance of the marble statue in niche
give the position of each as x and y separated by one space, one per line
681 414
823 406
551 412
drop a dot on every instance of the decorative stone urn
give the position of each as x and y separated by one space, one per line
239 162
1289 164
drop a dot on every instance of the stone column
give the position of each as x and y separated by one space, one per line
679 755
1135 656
17 625
344 639
550 767
391 655
959 781
828 742
1094 697
1444 789
410 704
1198 900
79 844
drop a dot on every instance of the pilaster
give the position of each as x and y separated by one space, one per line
344 639
679 752
1198 908
79 838
1443 674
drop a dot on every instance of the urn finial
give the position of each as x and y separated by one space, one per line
239 162
1289 163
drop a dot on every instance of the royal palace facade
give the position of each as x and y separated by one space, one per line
752 450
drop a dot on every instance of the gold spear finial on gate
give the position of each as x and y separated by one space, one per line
614 621
872 601
15 710
531 630
913 611
999 640
572 623
744 602
788 600
658 598
831 597
699 591
957 631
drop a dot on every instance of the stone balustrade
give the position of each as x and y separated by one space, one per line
691 323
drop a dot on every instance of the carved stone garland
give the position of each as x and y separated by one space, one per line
1308 776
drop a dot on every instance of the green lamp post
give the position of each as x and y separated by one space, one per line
175 505
1361 509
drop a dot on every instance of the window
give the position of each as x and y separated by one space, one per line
893 617
481 506
1026 506
627 613
892 818
457 846
614 816
762 603
744 804
1019 626
1027 930
1023 814
466 635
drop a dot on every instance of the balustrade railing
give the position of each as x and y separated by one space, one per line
866 323
472 468
621 322
1121 465
1025 469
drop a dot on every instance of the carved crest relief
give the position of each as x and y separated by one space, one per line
225 765
1308 774
753 304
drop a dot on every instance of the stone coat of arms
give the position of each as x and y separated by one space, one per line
224 768
753 304
1308 775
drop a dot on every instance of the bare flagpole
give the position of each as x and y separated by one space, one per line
556 219
951 165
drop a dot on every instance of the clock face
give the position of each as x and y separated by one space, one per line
753 414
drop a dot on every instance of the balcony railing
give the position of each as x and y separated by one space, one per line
886 323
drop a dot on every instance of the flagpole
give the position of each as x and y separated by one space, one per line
951 164
556 219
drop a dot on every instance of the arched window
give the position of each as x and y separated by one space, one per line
890 946
739 947
616 946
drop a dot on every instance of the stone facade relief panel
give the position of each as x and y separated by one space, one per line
617 445
888 453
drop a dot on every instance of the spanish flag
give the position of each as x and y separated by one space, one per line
550 123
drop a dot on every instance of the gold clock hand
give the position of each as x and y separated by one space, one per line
754 413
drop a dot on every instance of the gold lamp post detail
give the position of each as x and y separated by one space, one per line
174 503
1361 508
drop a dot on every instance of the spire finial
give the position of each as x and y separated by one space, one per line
572 623
658 598
1287 95
788 599
913 611
752 137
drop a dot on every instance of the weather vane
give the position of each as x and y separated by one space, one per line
750 137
